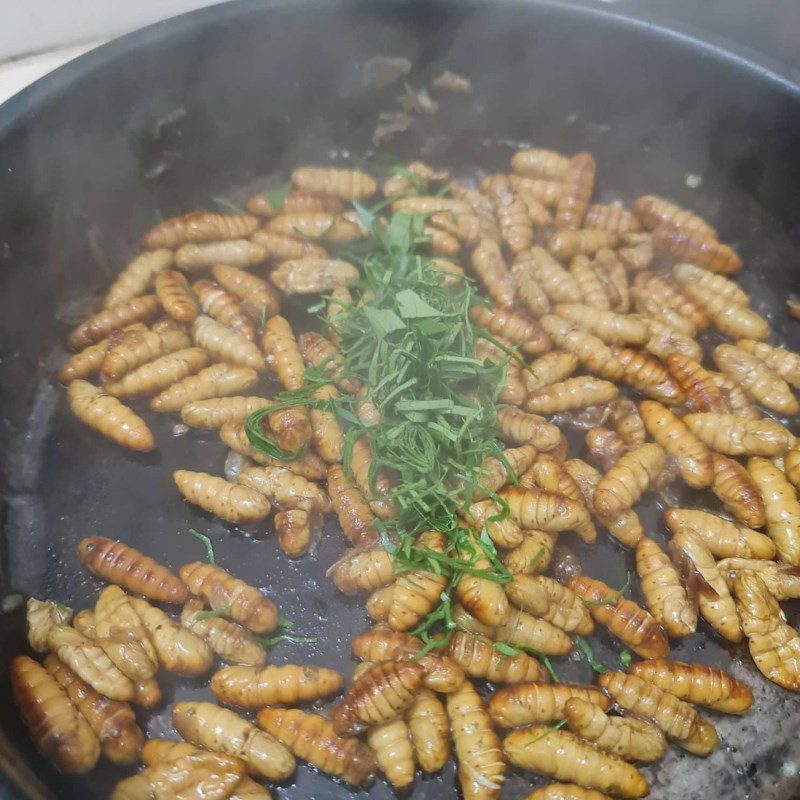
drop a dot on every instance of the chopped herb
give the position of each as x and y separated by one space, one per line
612 601
276 196
625 659
221 201
263 315
409 339
285 623
284 637
546 663
217 612
206 543
587 651
506 649
537 557
541 736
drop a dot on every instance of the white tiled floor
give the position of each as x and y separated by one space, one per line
18 73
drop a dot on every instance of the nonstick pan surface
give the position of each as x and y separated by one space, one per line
230 98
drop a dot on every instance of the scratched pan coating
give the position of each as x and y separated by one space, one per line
210 103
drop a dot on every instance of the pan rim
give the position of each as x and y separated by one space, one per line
29 99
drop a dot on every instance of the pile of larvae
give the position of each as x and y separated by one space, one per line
597 299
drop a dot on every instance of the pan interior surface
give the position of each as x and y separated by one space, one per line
229 99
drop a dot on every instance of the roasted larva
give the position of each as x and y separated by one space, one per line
610 327
546 598
428 728
766 387
527 703
623 485
663 592
134 348
245 603
393 752
58 729
344 183
284 488
224 307
155 376
625 527
593 293
255 687
115 318
225 344
156 751
381 693
308 464
353 511
199 772
259 298
729 317
655 211
696 382
479 658
626 737
313 739
89 661
561 755
535 509
220 730
230 641
781 507
215 411
312 275
737 491
119 631
782 580
522 629
626 620
483 598
493 274
736 436
514 326
41 616
179 650
564 791
697 683
694 459
677 719
113 723
416 592
716 604
725 539
176 297
229 501
107 415
571 394
774 644
481 767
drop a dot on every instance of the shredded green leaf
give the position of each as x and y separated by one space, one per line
410 340
612 601
206 543
625 659
269 641
227 204
590 657
276 196
541 736
217 612
285 623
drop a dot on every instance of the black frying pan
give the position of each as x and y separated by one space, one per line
206 104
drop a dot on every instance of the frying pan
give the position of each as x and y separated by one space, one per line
231 97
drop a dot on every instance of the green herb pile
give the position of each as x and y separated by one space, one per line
410 341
